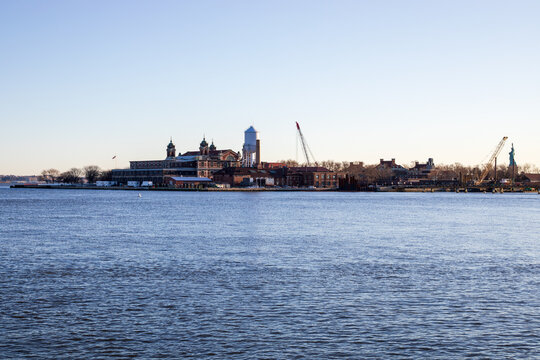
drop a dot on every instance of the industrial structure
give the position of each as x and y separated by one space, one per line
492 159
310 159
251 151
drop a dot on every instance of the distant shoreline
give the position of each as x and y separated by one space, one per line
380 189
131 188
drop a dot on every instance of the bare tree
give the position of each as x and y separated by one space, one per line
50 175
332 165
106 175
54 174
91 173
45 176
72 176
525 168
289 163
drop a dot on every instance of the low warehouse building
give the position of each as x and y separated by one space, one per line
530 179
184 182
249 176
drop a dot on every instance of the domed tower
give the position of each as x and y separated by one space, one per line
171 150
204 147
212 146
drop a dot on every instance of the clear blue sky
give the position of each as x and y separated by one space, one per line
81 81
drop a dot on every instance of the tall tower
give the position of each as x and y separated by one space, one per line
249 151
204 147
171 150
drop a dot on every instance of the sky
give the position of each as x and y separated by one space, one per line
83 81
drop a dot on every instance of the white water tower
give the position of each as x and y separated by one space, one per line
251 152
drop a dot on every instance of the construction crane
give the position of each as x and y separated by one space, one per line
490 161
305 147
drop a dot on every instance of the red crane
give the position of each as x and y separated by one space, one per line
305 147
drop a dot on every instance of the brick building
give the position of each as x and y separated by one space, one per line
422 171
250 176
317 177
312 176
187 182
202 163
397 171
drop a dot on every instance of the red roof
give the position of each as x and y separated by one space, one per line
533 177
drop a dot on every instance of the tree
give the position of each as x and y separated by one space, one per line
92 173
333 165
106 175
383 174
289 163
527 169
45 176
54 174
72 176
50 175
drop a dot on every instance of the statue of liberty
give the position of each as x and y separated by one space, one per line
512 153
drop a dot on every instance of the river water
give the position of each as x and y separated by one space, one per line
98 274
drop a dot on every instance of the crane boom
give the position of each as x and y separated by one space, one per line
491 159
305 146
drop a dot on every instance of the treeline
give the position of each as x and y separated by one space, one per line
329 164
8 178
369 173
473 172
91 173
372 173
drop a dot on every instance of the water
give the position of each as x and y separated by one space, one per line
97 274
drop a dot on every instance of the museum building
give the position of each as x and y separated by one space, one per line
201 164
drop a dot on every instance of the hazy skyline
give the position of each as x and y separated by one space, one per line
84 81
